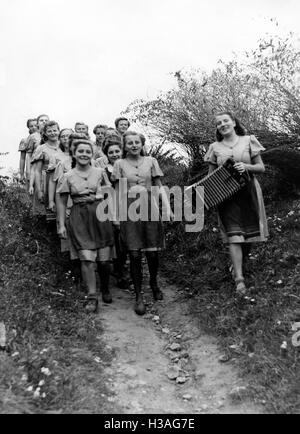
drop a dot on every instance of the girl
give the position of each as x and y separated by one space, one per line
63 166
45 159
64 140
90 237
113 151
242 218
140 173
99 131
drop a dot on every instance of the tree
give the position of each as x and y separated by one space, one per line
262 90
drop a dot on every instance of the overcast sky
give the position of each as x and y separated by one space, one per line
88 59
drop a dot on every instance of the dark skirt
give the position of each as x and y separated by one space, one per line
239 215
86 231
142 235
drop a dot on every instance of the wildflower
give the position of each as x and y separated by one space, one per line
36 393
24 377
97 359
44 395
15 354
45 350
46 371
279 282
29 389
42 383
215 230
291 213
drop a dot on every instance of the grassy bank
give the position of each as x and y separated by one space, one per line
54 356
251 330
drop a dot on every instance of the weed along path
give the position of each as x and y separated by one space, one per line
163 363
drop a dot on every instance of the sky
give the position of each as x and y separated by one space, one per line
87 60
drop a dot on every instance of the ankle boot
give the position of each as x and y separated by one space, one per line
104 271
136 275
152 259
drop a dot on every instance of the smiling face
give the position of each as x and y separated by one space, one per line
133 145
114 153
225 124
52 133
123 126
83 154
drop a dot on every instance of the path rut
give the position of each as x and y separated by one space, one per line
138 376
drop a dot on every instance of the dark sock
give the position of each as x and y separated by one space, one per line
104 272
136 270
153 263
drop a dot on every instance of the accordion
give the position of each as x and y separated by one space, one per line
221 184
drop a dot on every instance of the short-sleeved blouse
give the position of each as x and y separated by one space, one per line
81 183
246 148
98 152
23 145
33 142
50 156
101 162
139 174
62 167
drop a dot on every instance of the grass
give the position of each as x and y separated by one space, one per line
250 330
55 357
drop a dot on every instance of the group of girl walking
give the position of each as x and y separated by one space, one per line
67 173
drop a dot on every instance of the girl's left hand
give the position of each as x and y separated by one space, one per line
240 167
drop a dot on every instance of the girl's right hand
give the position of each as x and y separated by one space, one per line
40 196
62 232
51 206
31 191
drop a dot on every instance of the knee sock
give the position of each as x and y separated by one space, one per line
153 263
136 270
104 272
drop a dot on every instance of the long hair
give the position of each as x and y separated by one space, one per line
239 129
47 125
133 133
79 141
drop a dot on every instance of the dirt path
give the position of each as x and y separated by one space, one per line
163 363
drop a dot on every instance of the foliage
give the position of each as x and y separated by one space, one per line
252 329
263 91
51 342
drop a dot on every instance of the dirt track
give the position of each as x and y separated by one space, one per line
144 361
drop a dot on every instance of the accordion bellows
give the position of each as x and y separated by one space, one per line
221 184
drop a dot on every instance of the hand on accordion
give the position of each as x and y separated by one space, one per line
240 167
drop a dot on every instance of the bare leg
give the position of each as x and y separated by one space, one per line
89 278
236 254
88 275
